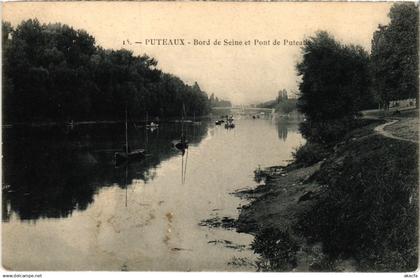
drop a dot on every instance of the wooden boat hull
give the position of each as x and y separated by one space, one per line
180 145
122 157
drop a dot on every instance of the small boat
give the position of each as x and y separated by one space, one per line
123 157
219 122
229 125
181 144
127 155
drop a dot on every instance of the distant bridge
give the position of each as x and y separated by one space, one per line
246 110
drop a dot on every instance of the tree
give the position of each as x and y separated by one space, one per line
335 83
282 95
52 72
286 106
394 55
7 88
216 102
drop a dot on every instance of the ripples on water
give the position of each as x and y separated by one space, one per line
67 207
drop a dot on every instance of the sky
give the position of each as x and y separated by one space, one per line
243 74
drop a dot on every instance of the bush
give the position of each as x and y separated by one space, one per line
326 132
333 131
309 154
277 248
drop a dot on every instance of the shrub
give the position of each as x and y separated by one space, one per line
309 154
277 248
326 132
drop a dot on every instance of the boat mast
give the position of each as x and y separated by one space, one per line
147 138
182 120
126 131
126 183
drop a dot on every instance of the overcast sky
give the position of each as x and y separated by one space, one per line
242 74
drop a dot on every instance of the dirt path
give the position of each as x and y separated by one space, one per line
401 126
381 130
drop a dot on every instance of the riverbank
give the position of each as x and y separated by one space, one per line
353 210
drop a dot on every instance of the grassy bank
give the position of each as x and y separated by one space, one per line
348 206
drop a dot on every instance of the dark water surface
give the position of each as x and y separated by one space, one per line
67 207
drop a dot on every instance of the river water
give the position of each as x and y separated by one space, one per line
67 207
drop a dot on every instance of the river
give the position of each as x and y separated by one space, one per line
67 207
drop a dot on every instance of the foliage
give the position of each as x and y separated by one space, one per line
277 248
268 104
282 104
286 106
309 154
327 132
395 55
335 83
53 72
370 207
216 102
334 78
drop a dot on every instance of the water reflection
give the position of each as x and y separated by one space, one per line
282 131
137 218
284 126
50 172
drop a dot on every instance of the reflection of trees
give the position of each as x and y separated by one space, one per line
284 126
282 131
48 173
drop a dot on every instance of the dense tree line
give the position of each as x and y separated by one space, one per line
52 72
395 55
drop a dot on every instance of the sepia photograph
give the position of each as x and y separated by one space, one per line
210 136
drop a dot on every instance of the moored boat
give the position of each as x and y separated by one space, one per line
126 155
122 157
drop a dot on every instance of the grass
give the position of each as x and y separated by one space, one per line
404 112
309 154
369 210
277 249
